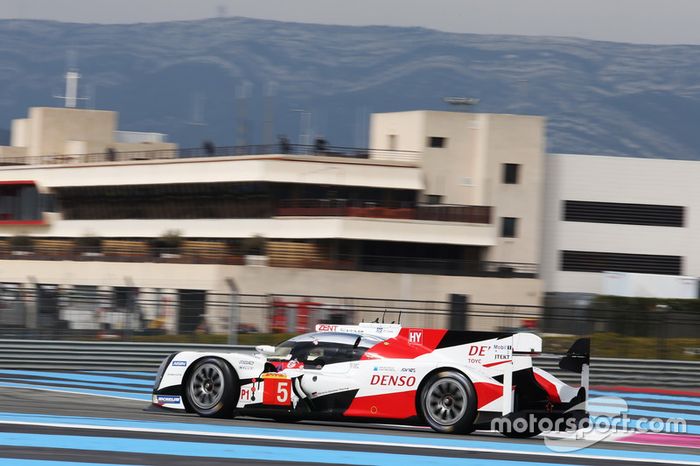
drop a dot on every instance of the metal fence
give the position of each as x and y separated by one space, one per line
211 150
81 355
45 311
223 252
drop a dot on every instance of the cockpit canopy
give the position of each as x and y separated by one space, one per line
320 348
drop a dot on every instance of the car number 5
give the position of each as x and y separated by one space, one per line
283 389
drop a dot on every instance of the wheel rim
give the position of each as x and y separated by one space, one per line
446 401
207 386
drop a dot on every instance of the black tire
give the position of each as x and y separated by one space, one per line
212 388
287 418
448 403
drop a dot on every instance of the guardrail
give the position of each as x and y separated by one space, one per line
76 355
631 372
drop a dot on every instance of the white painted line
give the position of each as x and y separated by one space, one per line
299 440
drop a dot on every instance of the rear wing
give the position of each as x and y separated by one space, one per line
525 345
578 360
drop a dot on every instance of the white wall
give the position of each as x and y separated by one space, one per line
419 231
316 170
623 180
469 169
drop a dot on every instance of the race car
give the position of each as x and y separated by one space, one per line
452 381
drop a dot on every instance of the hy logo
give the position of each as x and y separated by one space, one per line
415 336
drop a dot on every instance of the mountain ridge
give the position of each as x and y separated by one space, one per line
183 78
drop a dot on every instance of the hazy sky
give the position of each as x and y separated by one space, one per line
642 21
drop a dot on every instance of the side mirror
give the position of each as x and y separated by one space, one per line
265 349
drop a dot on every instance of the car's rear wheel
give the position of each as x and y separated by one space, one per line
448 403
211 388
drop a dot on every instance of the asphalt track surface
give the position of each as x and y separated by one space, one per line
55 419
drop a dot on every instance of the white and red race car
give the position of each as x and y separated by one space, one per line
453 381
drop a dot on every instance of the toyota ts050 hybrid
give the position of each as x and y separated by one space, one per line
453 381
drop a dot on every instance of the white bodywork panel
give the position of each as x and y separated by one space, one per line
480 361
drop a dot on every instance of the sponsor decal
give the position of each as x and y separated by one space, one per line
277 392
330 392
274 375
179 363
294 364
415 336
246 363
167 399
502 351
247 394
408 369
383 369
478 350
327 328
393 380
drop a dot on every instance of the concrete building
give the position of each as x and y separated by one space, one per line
617 214
477 159
60 134
443 203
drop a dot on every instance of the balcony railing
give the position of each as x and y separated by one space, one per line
405 211
214 151
220 253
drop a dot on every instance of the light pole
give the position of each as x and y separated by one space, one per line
304 126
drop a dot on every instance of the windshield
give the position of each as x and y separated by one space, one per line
324 347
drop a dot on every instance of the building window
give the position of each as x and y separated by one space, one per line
510 173
433 199
589 261
437 142
508 227
392 142
626 214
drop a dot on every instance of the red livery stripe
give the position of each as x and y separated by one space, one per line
400 347
549 387
486 393
399 405
491 364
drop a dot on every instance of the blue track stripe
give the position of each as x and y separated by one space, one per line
650 396
676 407
610 411
218 450
63 383
648 413
311 435
144 374
79 377
21 462
86 391
637 424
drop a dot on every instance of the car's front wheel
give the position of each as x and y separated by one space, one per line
448 403
211 388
